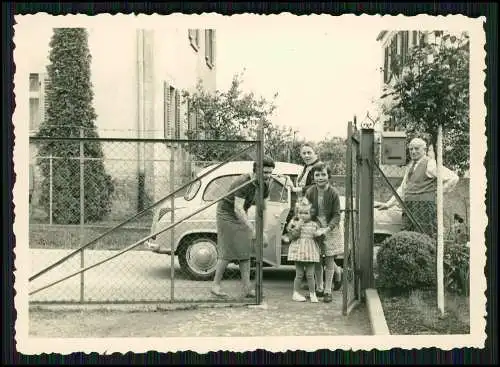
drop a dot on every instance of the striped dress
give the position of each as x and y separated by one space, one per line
305 248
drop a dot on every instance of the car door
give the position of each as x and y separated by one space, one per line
277 209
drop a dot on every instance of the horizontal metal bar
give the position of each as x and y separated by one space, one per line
43 271
45 226
235 301
396 195
141 241
138 140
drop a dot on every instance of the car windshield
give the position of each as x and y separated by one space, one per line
192 190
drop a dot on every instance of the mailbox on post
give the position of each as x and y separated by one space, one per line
393 148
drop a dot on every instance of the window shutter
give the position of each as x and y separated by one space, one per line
45 101
415 37
207 44
386 65
212 47
406 39
177 115
166 111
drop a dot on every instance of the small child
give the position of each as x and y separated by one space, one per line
304 250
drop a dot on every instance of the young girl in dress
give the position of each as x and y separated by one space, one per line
304 250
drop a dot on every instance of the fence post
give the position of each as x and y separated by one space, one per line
172 220
51 185
366 208
259 227
82 213
440 229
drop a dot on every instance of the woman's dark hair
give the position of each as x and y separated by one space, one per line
266 162
320 166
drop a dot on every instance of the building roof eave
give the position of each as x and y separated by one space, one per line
381 35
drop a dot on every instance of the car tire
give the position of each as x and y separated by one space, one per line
198 257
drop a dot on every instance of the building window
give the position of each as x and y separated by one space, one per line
194 38
35 117
34 82
171 112
194 120
210 47
422 38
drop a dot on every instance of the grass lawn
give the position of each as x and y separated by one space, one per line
68 237
417 313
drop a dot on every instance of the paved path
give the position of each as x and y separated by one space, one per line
282 317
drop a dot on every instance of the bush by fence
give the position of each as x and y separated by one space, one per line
406 261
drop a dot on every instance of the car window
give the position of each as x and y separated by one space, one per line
277 192
192 190
218 187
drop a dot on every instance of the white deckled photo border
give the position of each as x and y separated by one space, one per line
479 220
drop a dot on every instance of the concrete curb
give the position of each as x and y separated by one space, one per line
376 313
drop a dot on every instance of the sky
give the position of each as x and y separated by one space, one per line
325 70
323 75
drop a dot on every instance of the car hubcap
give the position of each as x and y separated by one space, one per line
202 257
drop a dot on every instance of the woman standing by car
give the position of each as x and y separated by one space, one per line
304 180
235 232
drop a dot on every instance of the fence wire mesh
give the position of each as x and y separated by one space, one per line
88 188
456 201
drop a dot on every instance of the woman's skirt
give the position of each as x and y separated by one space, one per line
234 238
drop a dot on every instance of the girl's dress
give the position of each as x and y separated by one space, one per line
305 248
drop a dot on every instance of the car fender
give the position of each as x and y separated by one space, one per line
200 231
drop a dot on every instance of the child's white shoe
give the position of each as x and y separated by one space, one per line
298 297
313 297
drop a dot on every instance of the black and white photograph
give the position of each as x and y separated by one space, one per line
282 182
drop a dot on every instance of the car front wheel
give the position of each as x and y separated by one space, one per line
198 257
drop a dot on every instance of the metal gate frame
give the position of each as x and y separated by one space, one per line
359 211
259 144
359 214
351 290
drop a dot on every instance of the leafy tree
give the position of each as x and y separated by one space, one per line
69 111
233 115
431 87
333 151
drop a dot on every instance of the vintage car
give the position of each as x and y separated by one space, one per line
195 239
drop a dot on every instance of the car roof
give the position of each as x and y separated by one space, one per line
240 167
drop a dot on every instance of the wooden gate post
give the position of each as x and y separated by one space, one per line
366 208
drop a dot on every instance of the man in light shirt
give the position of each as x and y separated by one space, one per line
418 189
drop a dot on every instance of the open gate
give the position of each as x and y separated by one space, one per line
351 281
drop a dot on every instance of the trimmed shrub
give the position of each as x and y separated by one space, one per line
456 267
406 261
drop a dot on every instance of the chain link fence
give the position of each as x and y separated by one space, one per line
456 202
111 196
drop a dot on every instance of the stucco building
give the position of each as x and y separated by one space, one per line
138 76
